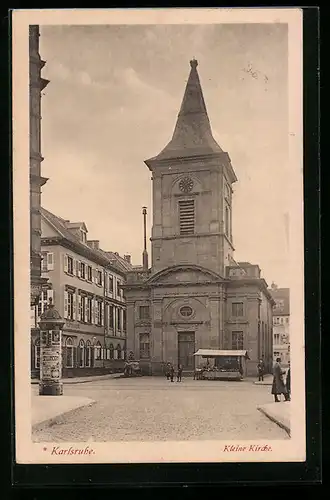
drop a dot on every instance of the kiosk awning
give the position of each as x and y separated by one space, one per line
215 353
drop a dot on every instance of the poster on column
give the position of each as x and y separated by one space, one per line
173 175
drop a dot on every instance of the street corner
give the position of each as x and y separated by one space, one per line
46 409
280 413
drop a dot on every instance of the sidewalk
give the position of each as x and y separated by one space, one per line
268 380
46 409
82 380
278 413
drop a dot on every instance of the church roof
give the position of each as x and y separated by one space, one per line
192 134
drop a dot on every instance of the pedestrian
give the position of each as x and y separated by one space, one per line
288 381
172 373
261 370
179 376
168 371
278 386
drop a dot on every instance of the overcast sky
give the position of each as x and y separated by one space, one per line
112 102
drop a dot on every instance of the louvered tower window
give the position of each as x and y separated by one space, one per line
187 216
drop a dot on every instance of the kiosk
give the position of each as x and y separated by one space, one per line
221 365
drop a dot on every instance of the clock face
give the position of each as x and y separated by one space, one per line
186 184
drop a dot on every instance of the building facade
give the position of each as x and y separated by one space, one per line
87 290
36 85
195 295
281 323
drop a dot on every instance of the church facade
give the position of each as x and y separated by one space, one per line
195 295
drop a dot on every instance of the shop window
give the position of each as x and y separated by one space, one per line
88 354
69 353
81 354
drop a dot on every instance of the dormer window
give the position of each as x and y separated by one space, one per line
83 236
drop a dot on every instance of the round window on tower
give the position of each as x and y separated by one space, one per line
186 311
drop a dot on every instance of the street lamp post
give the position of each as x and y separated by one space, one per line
51 325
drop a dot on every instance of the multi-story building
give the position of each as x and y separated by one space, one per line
195 295
87 291
37 84
281 323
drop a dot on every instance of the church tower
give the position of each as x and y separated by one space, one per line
192 191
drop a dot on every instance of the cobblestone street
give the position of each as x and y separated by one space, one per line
148 409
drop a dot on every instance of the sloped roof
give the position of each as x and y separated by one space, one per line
192 134
61 226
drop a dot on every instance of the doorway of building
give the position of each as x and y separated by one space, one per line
186 349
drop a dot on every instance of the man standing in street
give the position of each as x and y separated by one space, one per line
288 381
179 376
172 373
261 370
278 386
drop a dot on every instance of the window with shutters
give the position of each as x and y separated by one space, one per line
69 353
71 298
89 273
144 346
119 319
82 270
237 341
119 291
237 309
187 216
70 265
144 312
99 277
99 312
110 284
124 320
83 309
88 305
111 315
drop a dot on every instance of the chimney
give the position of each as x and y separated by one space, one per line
145 253
127 258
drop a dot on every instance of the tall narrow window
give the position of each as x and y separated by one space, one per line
111 314
227 222
144 312
144 346
187 216
237 342
237 309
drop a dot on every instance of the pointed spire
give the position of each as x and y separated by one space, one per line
192 134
